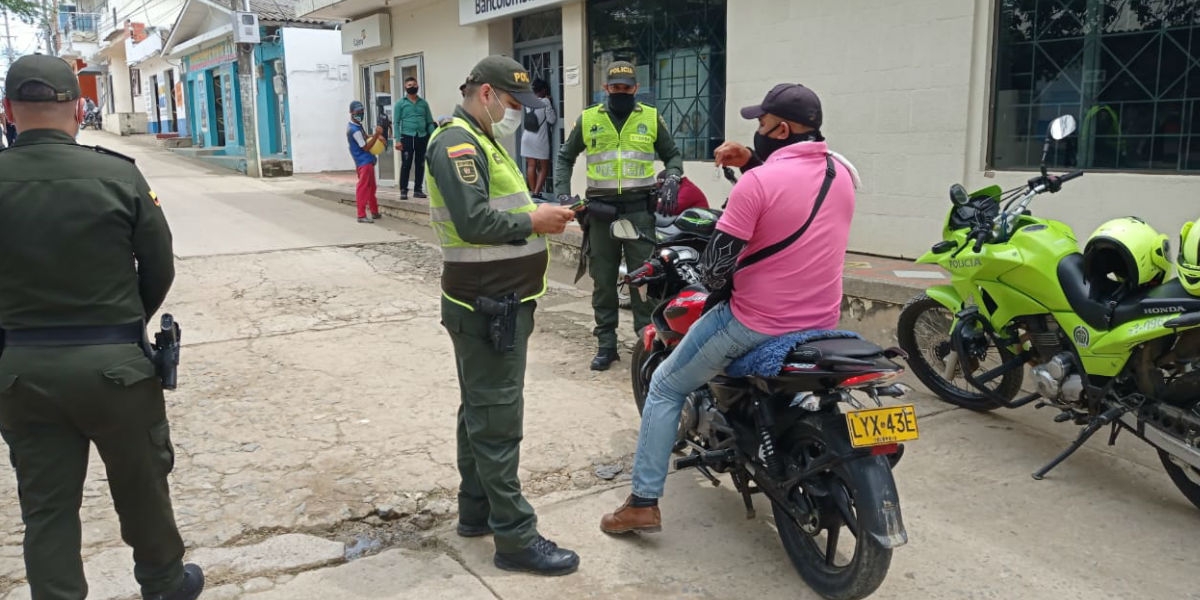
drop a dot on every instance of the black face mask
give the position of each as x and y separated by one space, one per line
412 90
766 146
621 104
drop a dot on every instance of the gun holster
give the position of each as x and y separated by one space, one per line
502 320
164 353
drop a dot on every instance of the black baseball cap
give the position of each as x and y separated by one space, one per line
621 72
790 101
504 73
51 71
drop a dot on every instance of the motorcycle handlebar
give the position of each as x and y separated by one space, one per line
1070 176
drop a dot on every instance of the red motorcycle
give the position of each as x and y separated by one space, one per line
791 418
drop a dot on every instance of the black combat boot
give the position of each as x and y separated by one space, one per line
604 359
542 557
193 584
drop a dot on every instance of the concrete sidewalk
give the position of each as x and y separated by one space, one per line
868 277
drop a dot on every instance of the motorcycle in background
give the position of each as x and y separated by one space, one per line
1110 341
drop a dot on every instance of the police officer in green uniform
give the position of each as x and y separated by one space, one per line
85 260
622 137
493 240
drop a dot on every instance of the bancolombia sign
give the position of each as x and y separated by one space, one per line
372 32
478 11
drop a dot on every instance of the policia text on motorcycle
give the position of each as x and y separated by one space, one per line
75 368
495 262
622 137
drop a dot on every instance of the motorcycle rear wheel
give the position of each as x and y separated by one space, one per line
926 357
1186 478
816 555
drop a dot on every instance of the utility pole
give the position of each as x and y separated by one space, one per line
8 51
247 83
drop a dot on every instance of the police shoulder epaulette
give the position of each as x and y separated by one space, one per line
103 150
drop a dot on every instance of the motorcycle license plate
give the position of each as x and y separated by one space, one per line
880 426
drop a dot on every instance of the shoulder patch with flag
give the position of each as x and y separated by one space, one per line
464 149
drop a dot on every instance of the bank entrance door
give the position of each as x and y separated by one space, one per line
377 96
543 59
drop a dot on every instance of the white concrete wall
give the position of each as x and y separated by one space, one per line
319 92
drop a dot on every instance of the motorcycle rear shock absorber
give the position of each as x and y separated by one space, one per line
763 420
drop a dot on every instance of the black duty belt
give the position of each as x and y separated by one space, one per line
623 204
95 335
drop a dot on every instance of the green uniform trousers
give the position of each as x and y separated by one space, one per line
490 428
604 263
56 401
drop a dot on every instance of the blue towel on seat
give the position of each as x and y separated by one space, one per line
767 359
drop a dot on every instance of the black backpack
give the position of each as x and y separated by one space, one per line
531 121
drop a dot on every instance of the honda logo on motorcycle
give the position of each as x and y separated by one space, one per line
964 263
1162 310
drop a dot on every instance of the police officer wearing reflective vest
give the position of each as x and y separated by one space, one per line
85 260
622 137
493 240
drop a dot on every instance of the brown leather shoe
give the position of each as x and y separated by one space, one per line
629 519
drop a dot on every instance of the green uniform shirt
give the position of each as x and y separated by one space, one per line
466 196
664 147
412 118
83 240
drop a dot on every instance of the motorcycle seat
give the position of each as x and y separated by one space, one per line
844 347
661 220
1101 313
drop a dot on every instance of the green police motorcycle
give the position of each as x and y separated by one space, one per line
1108 340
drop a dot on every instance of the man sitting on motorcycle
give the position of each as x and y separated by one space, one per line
797 288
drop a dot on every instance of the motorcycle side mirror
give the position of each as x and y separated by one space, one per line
624 229
1062 127
958 195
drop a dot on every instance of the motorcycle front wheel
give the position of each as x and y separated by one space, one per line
924 333
832 560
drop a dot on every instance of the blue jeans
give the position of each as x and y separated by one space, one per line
709 346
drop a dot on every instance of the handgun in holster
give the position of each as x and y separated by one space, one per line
165 354
502 320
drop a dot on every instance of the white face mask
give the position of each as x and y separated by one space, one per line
509 124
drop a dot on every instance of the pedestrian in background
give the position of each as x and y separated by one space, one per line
535 138
363 150
414 123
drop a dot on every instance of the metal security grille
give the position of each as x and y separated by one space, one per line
1129 70
678 49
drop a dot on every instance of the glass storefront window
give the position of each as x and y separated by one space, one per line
678 49
1128 70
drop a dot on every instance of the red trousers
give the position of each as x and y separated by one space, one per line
364 194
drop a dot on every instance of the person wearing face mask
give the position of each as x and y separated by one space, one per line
779 247
414 123
86 260
364 162
622 137
495 260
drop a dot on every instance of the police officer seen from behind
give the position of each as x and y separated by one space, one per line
621 138
85 259
495 262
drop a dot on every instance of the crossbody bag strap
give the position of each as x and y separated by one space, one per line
830 173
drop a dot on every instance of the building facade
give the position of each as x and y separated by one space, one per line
297 54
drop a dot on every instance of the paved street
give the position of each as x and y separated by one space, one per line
314 436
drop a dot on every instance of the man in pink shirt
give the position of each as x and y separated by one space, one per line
797 287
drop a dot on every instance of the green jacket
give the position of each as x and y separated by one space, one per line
664 147
412 118
83 240
460 168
